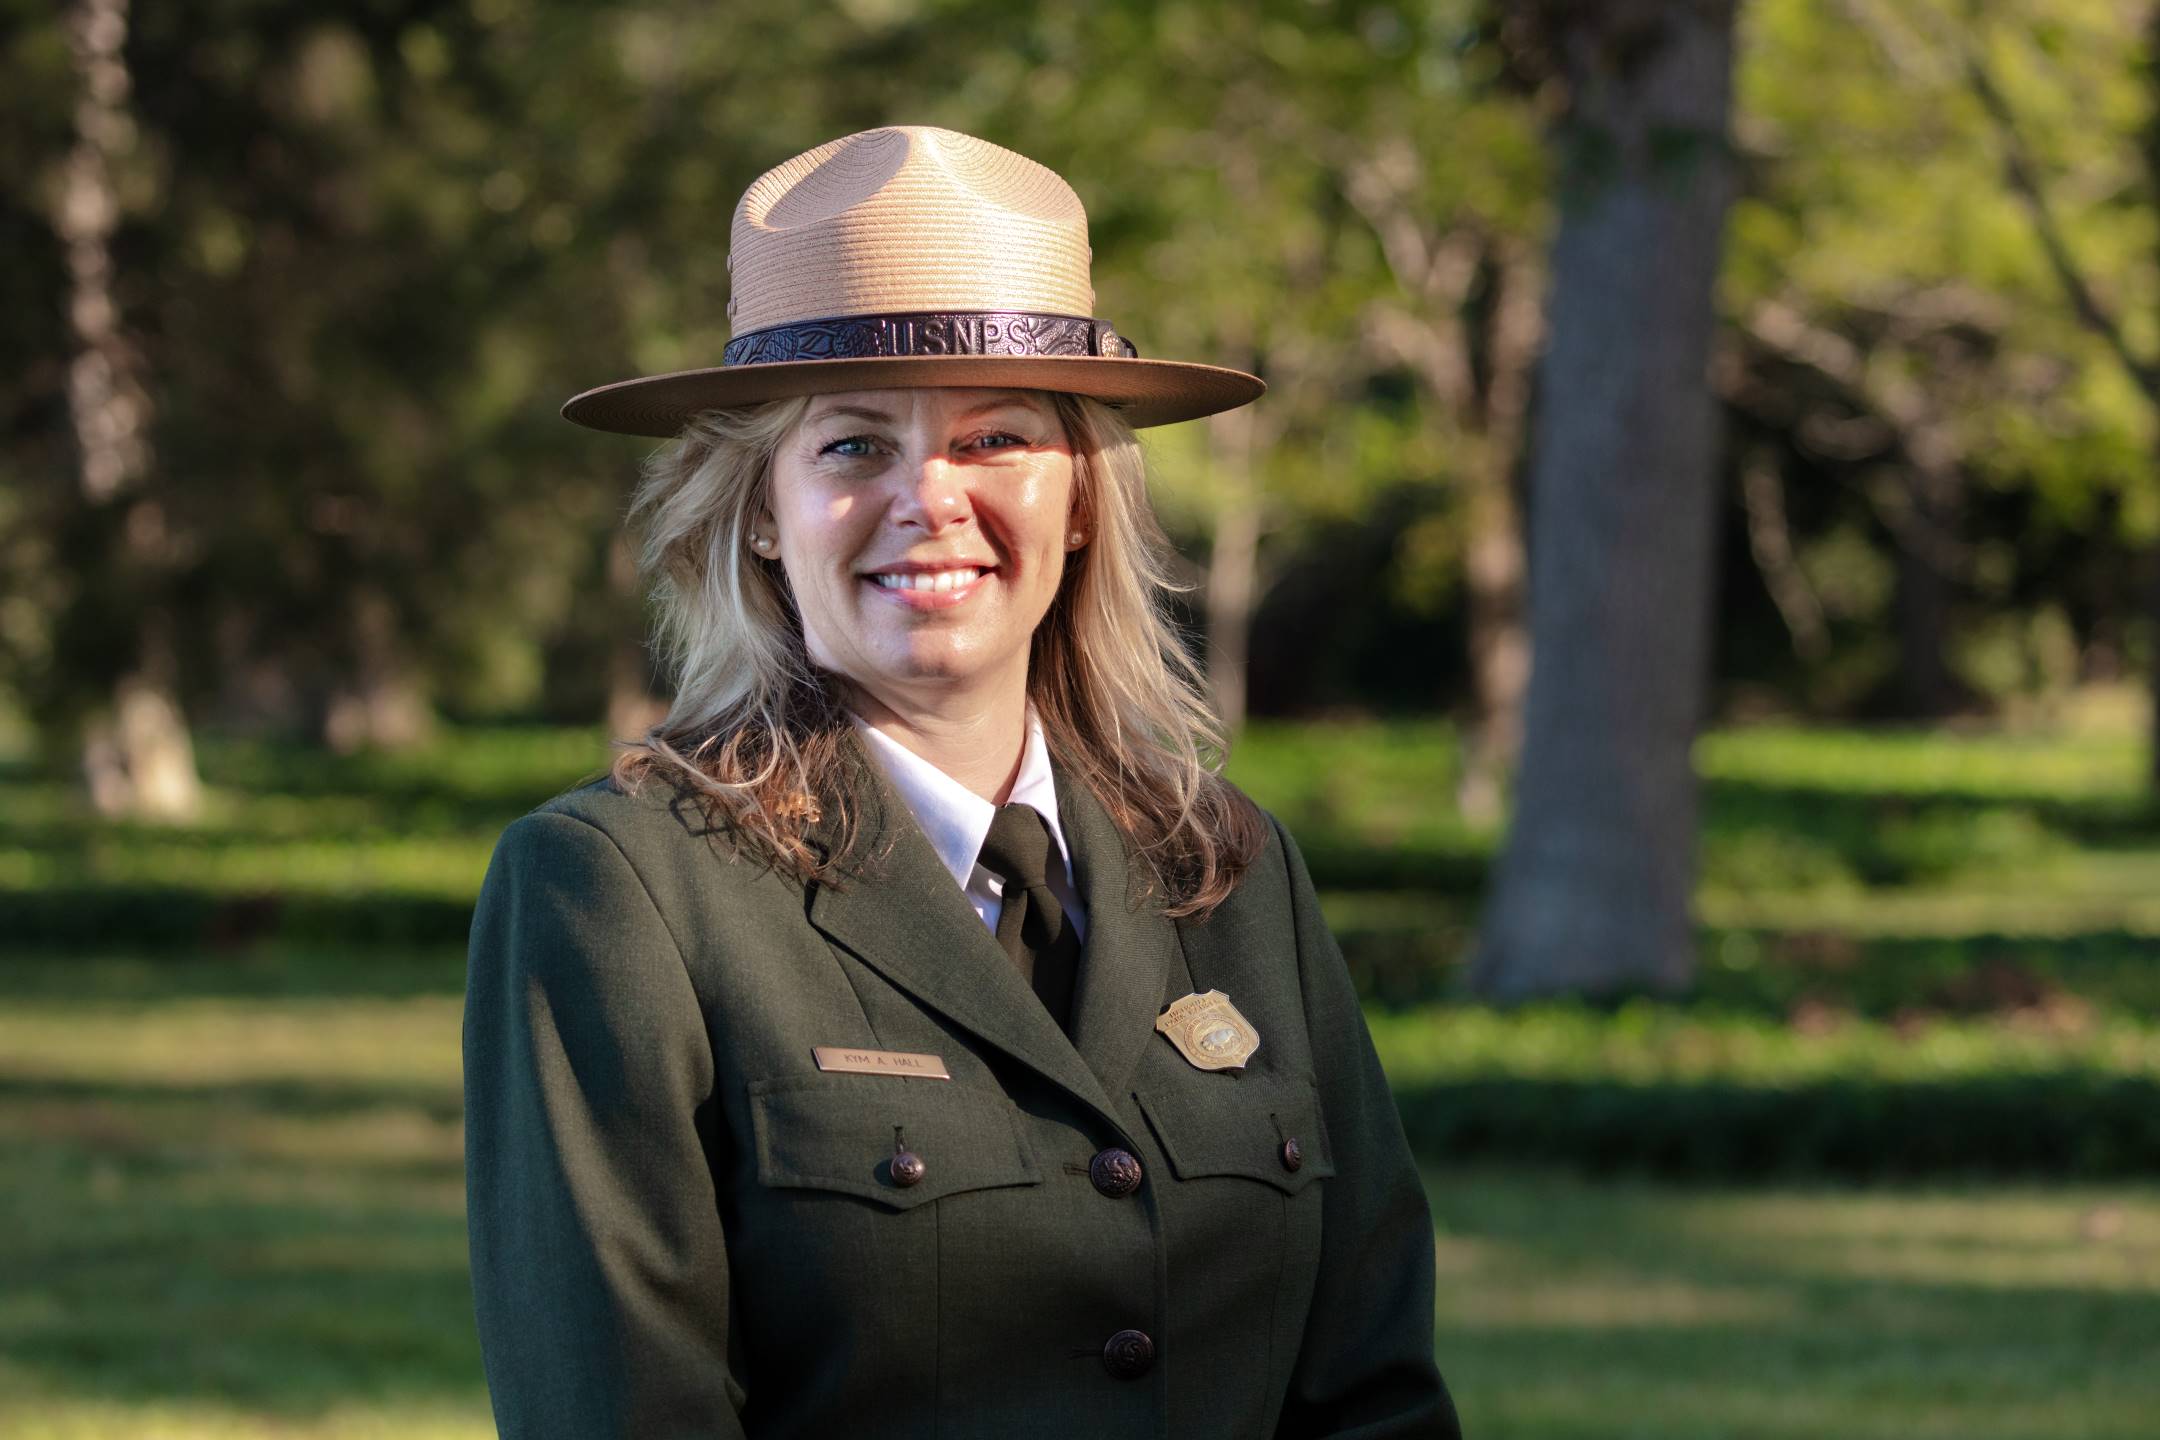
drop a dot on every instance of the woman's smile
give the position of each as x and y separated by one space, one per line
937 587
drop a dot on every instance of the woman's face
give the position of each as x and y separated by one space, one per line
924 533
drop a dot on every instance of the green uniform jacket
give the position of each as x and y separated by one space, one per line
681 1226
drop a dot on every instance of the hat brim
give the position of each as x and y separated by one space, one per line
1143 392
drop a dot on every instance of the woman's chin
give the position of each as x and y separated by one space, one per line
940 667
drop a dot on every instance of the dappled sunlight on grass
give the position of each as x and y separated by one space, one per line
1646 1042
2000 1240
71 1418
198 1246
1628 1309
2106 767
190 1042
1479 1275
404 865
2128 905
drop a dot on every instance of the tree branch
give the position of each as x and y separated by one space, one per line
2024 178
2019 168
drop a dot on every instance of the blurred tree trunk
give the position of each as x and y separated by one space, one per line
1435 270
380 702
1762 493
632 709
2152 680
137 756
2151 378
1494 564
1592 891
1924 509
1233 574
1926 567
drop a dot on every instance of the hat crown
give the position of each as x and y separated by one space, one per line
906 219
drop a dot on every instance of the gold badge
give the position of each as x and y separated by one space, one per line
1209 1032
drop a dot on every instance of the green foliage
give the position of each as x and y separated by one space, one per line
369 249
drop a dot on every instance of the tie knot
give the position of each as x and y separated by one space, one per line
1017 849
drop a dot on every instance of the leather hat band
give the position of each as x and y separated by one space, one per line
970 332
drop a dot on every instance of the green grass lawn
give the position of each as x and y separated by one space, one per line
234 1208
230 1134
1635 1311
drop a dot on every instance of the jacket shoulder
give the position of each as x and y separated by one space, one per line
1277 866
652 810
661 831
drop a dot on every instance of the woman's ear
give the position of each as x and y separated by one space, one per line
765 533
1079 516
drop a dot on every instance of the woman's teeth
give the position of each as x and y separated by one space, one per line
930 579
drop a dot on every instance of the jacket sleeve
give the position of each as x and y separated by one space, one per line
1366 1366
599 1268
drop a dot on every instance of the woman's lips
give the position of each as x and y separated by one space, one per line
929 589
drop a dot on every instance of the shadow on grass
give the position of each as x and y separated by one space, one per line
1410 955
265 971
1767 837
95 916
161 1105
2088 1125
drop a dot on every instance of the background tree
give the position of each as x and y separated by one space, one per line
136 754
1594 886
1902 347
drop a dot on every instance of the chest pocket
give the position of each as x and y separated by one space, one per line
1262 1127
840 1132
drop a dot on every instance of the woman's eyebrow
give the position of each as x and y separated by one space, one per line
885 417
860 412
1010 402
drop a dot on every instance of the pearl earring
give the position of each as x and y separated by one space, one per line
762 544
1076 539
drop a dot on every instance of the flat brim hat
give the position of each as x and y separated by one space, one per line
913 256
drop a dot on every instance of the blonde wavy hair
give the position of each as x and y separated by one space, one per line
760 737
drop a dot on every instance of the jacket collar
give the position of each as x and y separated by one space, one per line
1131 950
901 913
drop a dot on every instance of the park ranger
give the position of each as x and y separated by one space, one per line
914 1035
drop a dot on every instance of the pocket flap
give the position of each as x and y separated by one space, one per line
1223 1124
837 1132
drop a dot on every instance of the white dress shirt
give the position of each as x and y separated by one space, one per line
957 820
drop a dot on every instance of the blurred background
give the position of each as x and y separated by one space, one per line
1693 588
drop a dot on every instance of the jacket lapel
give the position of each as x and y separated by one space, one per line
1131 949
904 917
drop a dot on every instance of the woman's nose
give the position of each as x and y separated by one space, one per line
933 493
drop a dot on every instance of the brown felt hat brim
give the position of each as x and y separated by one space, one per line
1144 392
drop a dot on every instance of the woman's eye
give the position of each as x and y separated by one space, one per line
852 447
1000 440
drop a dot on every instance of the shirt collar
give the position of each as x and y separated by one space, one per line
954 818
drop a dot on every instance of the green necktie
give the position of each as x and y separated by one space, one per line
1031 923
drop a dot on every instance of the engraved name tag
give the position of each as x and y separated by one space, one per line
880 1062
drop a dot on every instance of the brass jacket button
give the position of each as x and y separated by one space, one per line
1116 1173
1129 1355
907 1168
1293 1155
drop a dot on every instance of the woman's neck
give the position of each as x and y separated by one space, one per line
976 741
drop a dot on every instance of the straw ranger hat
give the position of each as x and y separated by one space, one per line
913 256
